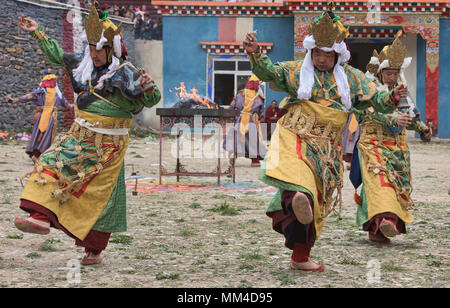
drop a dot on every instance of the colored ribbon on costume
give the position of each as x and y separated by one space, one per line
352 126
250 96
50 98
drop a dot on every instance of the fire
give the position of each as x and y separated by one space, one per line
193 94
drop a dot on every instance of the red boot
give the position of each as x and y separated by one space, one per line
255 162
36 223
300 260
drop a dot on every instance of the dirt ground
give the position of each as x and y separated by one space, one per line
224 239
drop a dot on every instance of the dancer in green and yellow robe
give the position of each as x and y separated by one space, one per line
304 160
78 184
382 160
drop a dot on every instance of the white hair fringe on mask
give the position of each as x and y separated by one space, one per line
84 70
306 81
385 64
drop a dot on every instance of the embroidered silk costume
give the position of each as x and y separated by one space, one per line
78 184
250 101
382 159
305 153
47 98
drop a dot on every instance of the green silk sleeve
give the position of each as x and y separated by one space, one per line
417 125
151 99
282 76
49 47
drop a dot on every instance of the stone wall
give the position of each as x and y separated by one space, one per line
22 63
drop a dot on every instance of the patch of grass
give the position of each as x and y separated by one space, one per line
194 205
33 255
391 267
244 284
251 256
142 256
188 232
285 279
47 245
434 263
350 261
162 276
246 266
15 237
121 239
138 156
225 210
199 262
412 246
198 245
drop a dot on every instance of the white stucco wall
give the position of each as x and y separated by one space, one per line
149 55
410 41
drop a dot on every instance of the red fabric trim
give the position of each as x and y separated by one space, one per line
78 193
300 253
382 179
94 239
299 148
48 83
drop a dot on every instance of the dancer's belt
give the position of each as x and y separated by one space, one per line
103 130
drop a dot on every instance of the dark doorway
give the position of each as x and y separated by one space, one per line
362 52
223 88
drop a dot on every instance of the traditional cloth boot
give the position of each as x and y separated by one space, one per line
300 260
302 208
32 225
255 162
378 238
92 257
388 228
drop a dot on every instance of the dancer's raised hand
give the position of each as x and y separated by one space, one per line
250 43
27 24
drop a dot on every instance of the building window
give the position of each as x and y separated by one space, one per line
227 75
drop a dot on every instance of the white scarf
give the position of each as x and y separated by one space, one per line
306 81
84 70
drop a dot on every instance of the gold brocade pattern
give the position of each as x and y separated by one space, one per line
324 139
386 156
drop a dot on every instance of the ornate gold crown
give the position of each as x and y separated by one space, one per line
326 31
373 67
94 28
395 54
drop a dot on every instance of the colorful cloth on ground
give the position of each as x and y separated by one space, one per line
150 185
305 151
44 129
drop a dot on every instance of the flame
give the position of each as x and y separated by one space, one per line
193 94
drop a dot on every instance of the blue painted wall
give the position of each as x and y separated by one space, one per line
184 59
444 77
280 31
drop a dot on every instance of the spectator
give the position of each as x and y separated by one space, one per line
138 27
148 27
273 113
